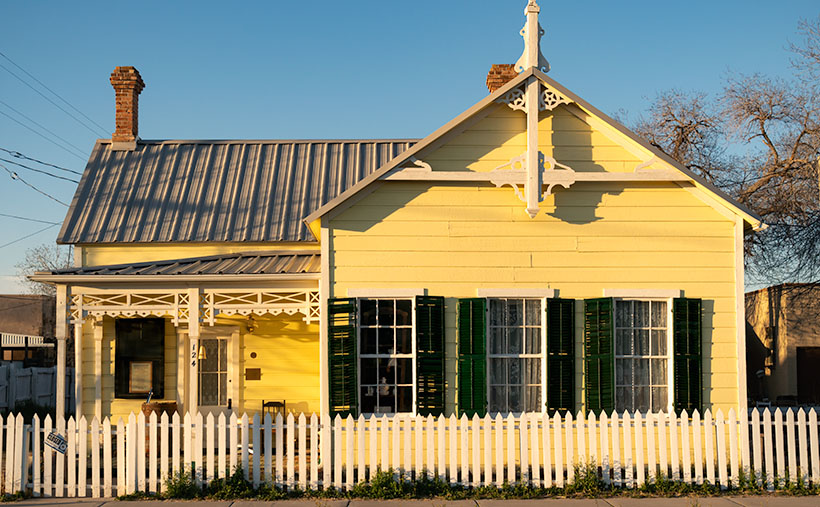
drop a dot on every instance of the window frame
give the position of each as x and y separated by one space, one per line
522 294
377 295
650 295
158 364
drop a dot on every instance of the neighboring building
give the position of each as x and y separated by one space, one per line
783 344
530 255
27 329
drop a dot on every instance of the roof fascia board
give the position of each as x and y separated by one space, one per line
416 148
752 218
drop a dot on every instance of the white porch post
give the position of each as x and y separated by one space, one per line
324 294
78 369
98 340
61 332
193 335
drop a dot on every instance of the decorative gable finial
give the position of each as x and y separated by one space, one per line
532 33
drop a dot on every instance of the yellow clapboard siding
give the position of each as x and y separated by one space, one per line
510 258
507 213
511 229
287 353
605 275
606 244
583 195
503 153
675 241
518 138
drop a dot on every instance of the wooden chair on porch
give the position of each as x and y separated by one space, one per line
273 408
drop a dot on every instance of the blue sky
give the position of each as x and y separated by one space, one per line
358 69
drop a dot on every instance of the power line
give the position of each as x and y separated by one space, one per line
58 106
38 170
27 236
17 177
52 91
44 128
17 154
19 306
55 143
28 219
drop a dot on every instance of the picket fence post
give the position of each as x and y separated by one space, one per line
815 448
314 457
792 448
697 430
257 450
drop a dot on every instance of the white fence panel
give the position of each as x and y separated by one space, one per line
102 459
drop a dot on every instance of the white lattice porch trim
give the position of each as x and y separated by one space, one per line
260 302
140 303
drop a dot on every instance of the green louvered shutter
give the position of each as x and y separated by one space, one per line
342 356
560 355
472 356
430 355
687 332
599 354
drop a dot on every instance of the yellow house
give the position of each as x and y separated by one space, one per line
530 255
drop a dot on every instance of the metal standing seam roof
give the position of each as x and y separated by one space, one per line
245 263
222 191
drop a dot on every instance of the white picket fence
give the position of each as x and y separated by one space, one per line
105 459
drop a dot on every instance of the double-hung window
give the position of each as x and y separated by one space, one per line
515 354
642 355
386 352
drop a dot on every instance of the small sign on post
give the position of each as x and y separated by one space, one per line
57 442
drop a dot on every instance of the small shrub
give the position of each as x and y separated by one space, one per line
233 486
586 481
182 485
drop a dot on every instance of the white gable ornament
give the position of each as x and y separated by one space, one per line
533 101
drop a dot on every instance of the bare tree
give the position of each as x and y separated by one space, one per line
760 142
46 257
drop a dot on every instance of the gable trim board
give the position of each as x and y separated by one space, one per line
585 112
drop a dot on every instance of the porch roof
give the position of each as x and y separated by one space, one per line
243 263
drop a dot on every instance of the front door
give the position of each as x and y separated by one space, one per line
214 375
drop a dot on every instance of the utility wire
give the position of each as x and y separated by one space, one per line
19 306
38 170
58 106
80 150
55 143
17 154
28 219
27 236
52 91
17 177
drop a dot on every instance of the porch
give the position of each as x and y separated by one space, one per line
211 334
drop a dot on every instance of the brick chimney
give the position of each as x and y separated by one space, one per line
127 84
499 75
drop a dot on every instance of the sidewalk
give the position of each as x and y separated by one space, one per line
725 501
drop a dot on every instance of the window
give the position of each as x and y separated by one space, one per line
386 351
515 354
139 362
642 344
213 372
